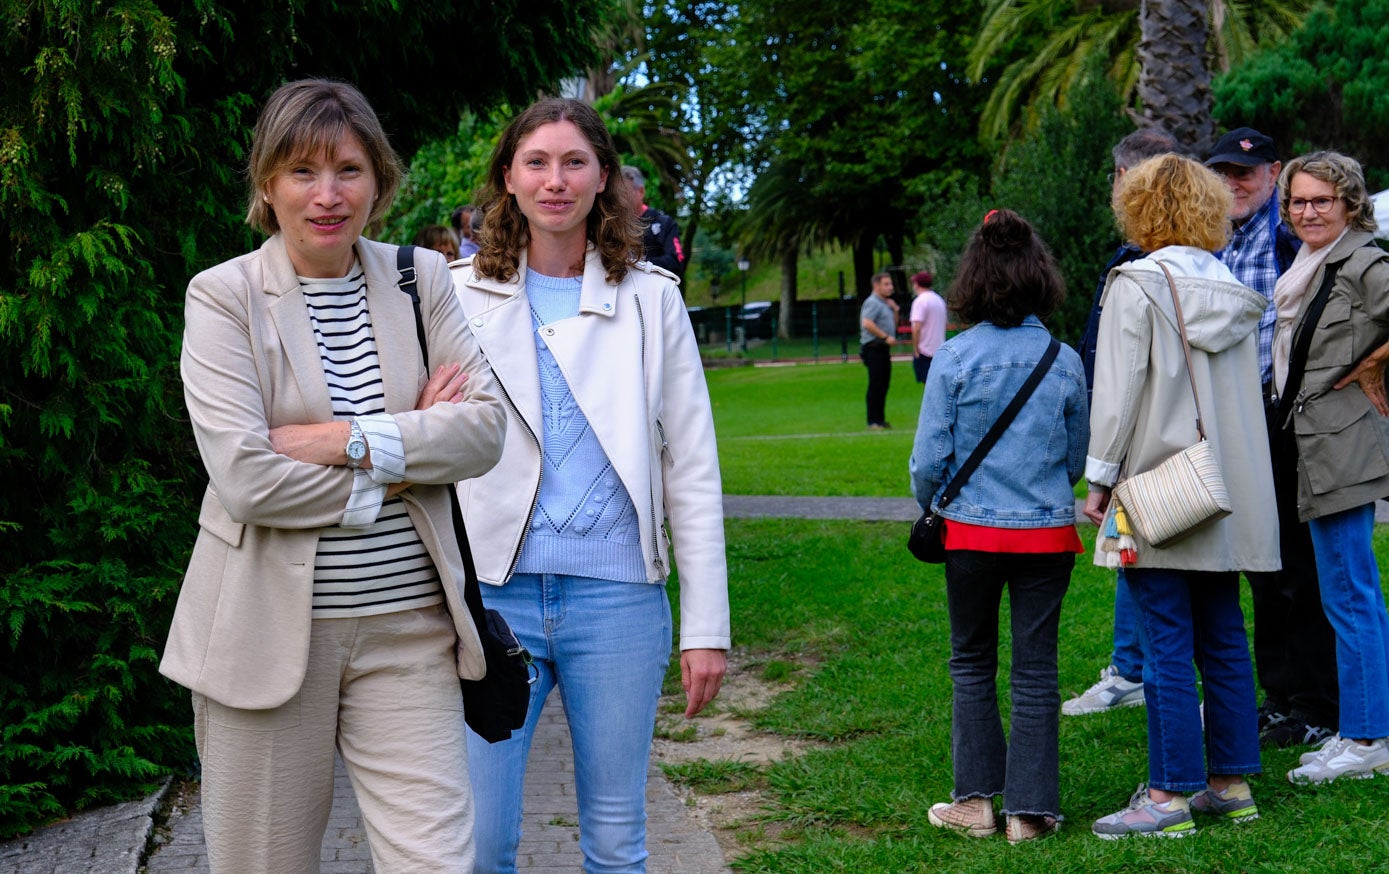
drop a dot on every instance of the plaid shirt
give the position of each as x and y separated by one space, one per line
1253 256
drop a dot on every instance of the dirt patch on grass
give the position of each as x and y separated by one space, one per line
724 733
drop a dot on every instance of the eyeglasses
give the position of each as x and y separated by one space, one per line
1320 205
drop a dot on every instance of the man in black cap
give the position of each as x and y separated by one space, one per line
1294 645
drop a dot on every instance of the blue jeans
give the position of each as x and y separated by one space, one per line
1354 604
606 646
1193 621
1128 633
1024 767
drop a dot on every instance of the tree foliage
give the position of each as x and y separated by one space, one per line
124 126
1326 87
854 99
1056 178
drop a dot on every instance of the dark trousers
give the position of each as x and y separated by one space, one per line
921 366
1023 766
1294 644
877 357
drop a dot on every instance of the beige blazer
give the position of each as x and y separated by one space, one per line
240 632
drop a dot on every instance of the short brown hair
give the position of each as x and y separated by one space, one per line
1173 201
310 116
1344 174
1007 274
612 226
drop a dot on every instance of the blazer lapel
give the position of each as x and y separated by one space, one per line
291 317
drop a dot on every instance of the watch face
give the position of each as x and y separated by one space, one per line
357 450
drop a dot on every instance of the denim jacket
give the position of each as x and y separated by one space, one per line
1027 479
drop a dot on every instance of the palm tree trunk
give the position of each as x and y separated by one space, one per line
1174 82
790 263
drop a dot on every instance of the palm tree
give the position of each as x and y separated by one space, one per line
1072 31
782 218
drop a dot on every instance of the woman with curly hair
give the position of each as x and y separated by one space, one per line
1142 412
610 442
1005 532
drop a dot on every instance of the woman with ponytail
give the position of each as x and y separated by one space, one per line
1011 526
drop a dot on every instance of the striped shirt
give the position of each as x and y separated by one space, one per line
374 561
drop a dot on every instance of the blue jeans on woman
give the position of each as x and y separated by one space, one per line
1192 620
1025 766
1354 604
606 646
1128 633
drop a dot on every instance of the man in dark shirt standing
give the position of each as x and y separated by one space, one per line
661 236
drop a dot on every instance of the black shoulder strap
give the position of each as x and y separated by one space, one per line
1302 341
1000 425
405 263
472 593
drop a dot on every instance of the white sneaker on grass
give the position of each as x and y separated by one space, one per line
1111 692
1327 748
1344 759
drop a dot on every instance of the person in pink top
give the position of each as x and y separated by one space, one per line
928 324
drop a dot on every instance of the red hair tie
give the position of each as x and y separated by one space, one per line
990 214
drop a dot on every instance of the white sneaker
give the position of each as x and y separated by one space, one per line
1325 750
1112 691
1346 759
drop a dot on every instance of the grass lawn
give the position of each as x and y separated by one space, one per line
800 430
865 629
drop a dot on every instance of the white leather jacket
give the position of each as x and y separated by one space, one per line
632 363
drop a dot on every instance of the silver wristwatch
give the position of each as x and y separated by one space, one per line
356 446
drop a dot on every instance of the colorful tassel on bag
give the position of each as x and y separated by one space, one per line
1116 538
1128 547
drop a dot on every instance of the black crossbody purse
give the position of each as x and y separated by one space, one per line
496 705
927 540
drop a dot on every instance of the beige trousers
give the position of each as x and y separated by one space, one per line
384 691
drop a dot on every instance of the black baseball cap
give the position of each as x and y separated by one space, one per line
1243 146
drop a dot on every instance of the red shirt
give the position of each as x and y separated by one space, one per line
982 538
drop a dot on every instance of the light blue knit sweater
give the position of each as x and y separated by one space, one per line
584 523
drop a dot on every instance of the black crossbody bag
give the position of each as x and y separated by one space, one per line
927 540
496 705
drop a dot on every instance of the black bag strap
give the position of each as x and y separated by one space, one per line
1000 425
405 263
472 593
1302 342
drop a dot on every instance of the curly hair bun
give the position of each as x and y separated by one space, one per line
1005 230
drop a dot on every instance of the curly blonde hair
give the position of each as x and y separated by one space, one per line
612 226
1341 172
1173 201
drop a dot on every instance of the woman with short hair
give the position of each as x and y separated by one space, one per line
1143 412
1333 309
321 610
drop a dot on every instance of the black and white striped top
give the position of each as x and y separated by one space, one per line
375 561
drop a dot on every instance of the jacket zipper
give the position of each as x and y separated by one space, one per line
540 475
651 496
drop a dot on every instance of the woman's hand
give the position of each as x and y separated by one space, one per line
444 387
1096 502
1370 374
701 673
